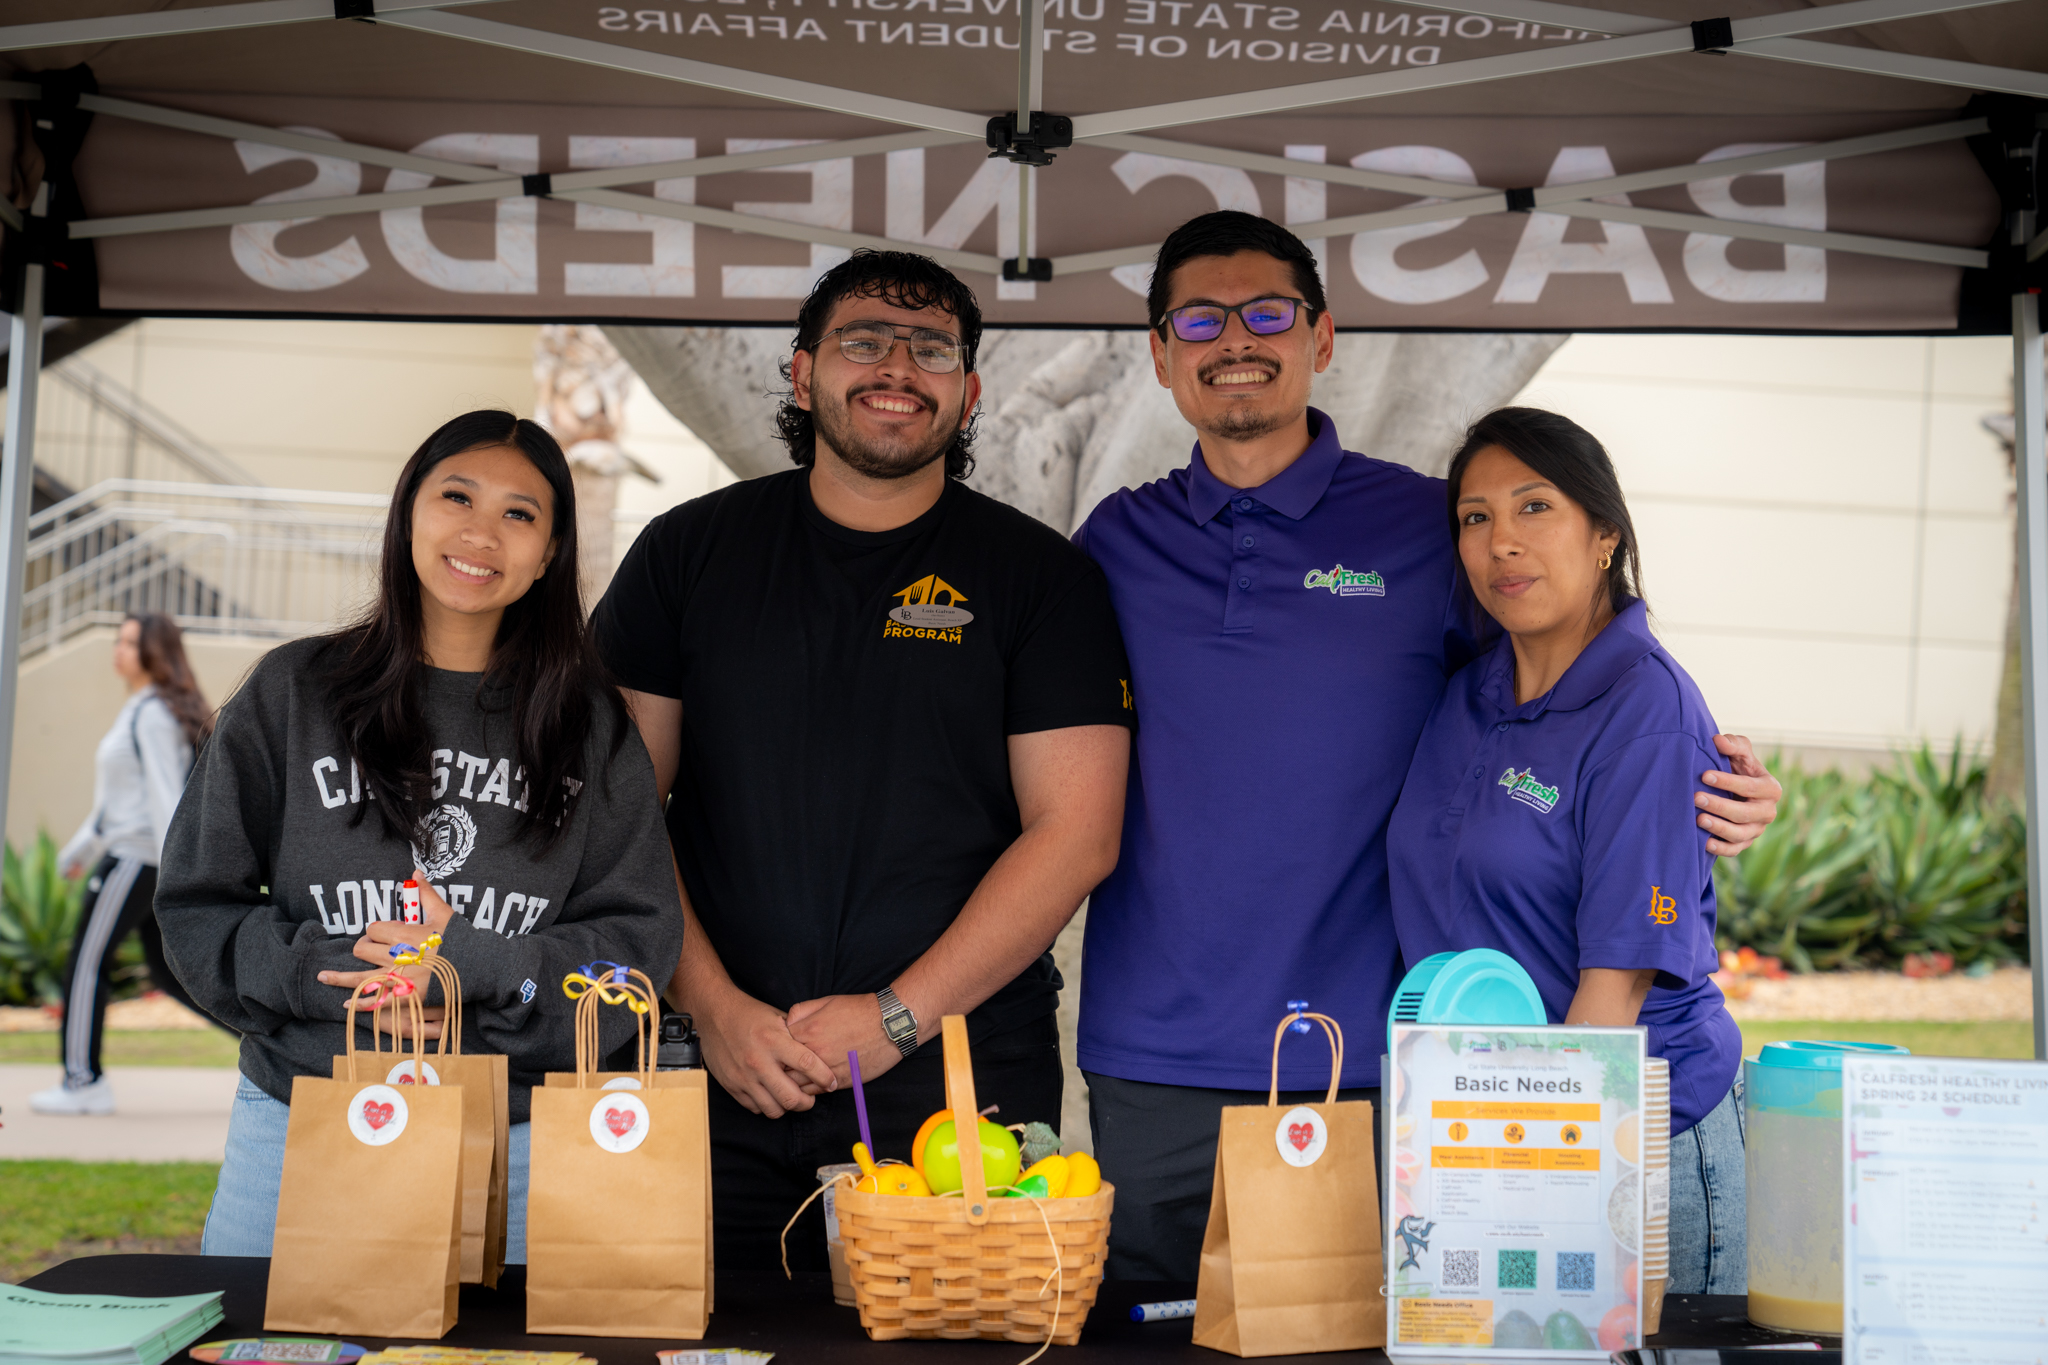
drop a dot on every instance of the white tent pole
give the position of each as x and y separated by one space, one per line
17 482
114 28
2029 412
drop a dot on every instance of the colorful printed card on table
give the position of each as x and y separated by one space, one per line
1514 1221
1945 1207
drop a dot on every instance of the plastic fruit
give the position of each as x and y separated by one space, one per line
1054 1170
1628 1281
1084 1177
1001 1163
1618 1328
1030 1186
893 1178
924 1135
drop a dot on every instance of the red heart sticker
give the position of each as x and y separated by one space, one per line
1301 1134
406 1079
620 1121
375 1114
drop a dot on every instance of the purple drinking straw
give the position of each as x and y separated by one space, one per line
860 1103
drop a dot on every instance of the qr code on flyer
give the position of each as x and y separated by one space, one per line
1460 1269
1575 1271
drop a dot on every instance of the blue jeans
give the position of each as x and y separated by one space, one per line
1709 1209
244 1211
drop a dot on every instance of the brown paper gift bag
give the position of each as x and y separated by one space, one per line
486 1127
1291 1262
369 1212
618 1204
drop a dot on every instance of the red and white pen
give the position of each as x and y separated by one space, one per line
412 901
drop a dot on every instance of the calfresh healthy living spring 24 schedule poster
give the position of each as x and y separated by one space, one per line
1515 1192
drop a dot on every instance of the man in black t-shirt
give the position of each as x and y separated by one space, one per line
895 716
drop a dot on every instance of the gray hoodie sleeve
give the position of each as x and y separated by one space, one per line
622 907
245 961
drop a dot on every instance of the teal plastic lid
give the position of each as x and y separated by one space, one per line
1809 1056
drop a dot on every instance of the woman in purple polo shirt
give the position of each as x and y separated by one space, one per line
1547 811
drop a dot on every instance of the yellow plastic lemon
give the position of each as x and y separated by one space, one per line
1084 1177
1055 1170
893 1178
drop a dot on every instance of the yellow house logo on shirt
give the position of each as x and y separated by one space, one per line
928 609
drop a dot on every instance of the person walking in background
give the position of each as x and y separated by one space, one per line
138 774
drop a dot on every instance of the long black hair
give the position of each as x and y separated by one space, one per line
1572 460
543 663
904 280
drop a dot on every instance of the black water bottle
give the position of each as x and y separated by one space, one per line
678 1050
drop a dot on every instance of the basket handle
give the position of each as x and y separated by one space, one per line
966 1117
1331 1030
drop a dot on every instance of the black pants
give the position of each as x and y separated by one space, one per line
118 900
762 1168
1157 1145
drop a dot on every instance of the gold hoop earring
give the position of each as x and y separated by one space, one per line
1606 561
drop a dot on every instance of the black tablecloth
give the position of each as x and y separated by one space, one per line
796 1320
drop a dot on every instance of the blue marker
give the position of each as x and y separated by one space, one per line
1162 1312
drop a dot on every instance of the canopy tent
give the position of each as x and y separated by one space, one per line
1868 166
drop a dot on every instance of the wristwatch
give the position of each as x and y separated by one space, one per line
897 1021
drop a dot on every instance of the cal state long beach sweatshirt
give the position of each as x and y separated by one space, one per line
274 864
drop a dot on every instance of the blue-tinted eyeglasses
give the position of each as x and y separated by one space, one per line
1261 317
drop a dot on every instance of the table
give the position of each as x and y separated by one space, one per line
795 1319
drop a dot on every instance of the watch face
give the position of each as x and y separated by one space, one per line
899 1025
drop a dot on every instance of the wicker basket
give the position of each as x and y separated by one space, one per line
955 1269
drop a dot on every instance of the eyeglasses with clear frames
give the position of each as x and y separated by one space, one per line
869 343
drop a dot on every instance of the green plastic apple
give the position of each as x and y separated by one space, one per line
1000 1159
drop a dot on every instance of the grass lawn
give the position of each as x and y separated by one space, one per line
1982 1038
51 1211
166 1047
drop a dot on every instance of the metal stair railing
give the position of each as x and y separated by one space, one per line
90 428
222 559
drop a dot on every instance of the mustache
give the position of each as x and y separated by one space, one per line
900 390
1258 362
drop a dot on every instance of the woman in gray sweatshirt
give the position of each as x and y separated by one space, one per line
460 733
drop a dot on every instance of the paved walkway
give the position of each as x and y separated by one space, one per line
163 1113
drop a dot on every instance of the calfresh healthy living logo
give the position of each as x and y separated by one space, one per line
1345 582
1524 787
928 609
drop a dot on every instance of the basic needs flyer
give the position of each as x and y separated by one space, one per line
1515 1191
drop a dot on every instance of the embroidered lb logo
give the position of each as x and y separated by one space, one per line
377 1115
619 1121
1301 1136
402 1074
1663 909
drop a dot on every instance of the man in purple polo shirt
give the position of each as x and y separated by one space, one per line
1291 610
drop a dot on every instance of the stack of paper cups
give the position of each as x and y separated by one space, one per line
835 1250
1655 1155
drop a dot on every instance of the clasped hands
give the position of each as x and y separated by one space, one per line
375 947
775 1063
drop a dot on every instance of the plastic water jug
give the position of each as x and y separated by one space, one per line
1792 1097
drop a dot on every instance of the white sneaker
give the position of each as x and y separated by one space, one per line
97 1098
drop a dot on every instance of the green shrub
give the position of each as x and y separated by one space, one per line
38 915
1860 874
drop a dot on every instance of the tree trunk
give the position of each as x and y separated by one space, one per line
1070 417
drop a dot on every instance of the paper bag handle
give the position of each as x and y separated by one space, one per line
966 1117
1333 1031
626 986
450 1042
409 999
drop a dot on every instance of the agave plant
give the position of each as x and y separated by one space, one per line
38 914
1794 894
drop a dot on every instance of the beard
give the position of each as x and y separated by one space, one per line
896 457
1245 419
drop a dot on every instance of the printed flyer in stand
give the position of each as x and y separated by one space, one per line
1515 1199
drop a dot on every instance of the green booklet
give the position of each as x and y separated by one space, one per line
38 1328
